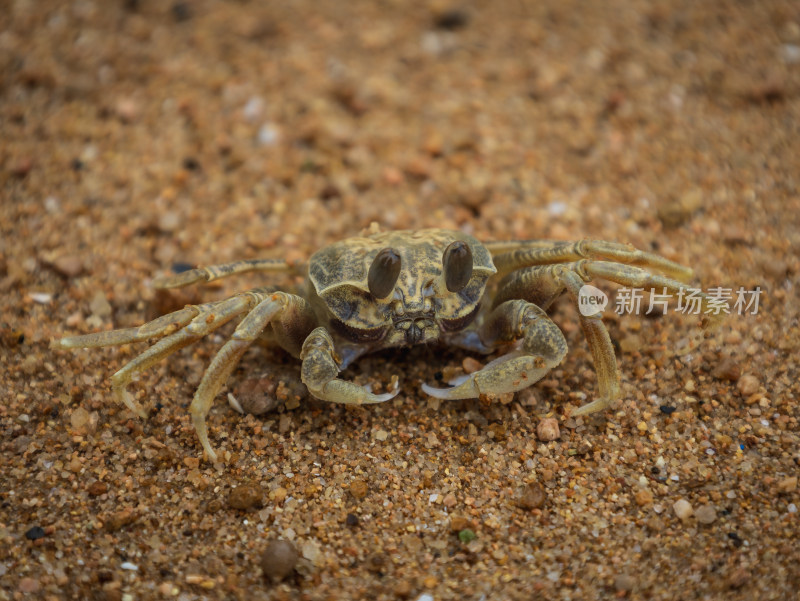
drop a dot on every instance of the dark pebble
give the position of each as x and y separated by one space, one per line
181 11
191 164
452 20
35 533
351 520
737 542
667 410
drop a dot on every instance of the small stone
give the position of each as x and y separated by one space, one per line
631 343
358 488
728 369
787 485
246 496
531 496
120 519
548 430
624 583
35 533
643 497
29 585
471 365
79 418
256 396
677 212
351 520
68 266
312 552
97 488
682 508
738 578
705 514
279 494
402 589
459 523
748 384
99 305
169 221
449 500
127 109
278 560
381 435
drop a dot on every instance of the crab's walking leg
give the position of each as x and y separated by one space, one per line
208 319
217 272
538 252
158 327
289 315
543 347
319 371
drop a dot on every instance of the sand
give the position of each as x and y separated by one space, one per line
138 137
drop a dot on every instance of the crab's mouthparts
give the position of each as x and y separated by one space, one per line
413 327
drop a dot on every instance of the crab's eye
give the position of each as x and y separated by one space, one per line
457 263
383 273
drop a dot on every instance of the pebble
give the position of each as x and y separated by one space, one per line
278 560
351 520
120 519
787 485
68 266
748 384
706 514
471 365
97 488
728 369
643 497
246 496
311 551
79 418
99 305
459 523
548 430
29 585
631 343
624 582
170 221
35 533
381 435
531 496
676 212
358 488
402 589
467 535
682 508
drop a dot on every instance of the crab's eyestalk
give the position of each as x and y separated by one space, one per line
383 273
457 263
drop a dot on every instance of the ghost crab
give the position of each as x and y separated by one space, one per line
402 288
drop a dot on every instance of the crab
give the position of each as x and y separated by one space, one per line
402 288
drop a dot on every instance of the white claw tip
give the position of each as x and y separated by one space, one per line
439 393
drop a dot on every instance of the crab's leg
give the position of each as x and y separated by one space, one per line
286 312
319 371
537 252
207 320
158 327
217 272
543 347
542 284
